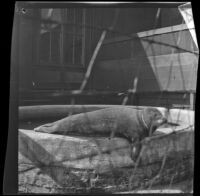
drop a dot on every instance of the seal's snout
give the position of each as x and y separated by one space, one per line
162 121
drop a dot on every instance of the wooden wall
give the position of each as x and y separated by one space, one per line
55 76
121 58
34 75
128 22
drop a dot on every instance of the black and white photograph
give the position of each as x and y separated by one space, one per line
106 96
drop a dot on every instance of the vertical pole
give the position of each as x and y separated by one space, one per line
73 47
191 100
62 34
38 39
62 73
50 46
61 46
83 38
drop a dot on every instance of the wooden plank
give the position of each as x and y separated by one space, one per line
56 67
56 85
184 117
151 32
163 30
83 37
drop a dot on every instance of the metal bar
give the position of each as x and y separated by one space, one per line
62 73
67 67
83 37
73 43
62 38
49 46
38 39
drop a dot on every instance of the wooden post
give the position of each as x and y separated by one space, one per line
74 38
62 37
191 100
83 38
38 39
50 46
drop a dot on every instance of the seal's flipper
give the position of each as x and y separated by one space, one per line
135 150
47 128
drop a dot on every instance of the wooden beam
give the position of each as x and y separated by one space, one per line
77 68
152 32
192 101
83 38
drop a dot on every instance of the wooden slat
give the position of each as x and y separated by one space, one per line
57 85
163 30
58 67
151 32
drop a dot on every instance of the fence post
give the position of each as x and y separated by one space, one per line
191 100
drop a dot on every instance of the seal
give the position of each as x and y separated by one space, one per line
133 124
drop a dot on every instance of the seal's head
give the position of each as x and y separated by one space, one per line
153 118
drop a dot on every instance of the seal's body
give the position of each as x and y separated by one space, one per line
123 121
